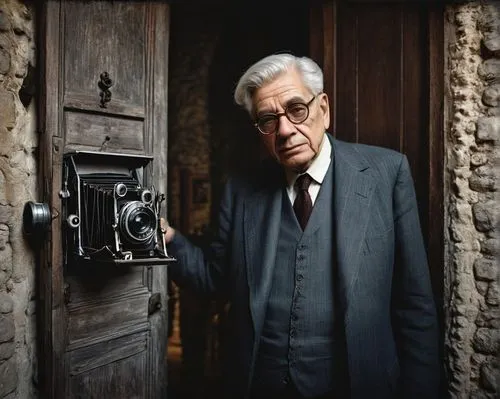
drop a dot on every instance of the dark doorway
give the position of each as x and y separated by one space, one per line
215 44
249 34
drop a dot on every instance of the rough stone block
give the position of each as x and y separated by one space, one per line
4 22
490 23
491 247
4 61
491 95
493 111
4 236
7 349
486 269
488 376
8 377
6 303
5 265
492 297
490 69
489 317
486 340
483 179
482 287
7 327
492 42
20 22
486 215
5 255
461 233
488 128
7 109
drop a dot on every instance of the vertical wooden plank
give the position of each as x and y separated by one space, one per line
316 43
51 279
435 231
322 47
346 104
379 74
436 149
44 336
159 274
414 141
329 57
149 134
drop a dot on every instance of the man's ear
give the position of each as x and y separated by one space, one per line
325 109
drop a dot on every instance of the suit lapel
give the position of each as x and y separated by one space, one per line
262 216
352 196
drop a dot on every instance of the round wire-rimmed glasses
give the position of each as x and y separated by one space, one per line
295 112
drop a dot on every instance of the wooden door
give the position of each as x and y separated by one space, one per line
383 64
99 335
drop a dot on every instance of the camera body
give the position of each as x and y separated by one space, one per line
110 214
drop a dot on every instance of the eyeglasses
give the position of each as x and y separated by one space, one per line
295 113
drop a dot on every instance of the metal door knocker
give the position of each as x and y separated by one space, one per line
104 84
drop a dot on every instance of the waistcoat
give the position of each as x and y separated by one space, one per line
297 341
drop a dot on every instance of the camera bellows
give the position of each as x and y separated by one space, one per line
111 215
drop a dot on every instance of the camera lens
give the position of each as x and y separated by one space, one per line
140 223
137 222
147 197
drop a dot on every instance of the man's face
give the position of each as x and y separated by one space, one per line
293 145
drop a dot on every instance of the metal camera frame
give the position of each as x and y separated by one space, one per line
128 198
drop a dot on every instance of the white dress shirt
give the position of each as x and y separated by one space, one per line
317 171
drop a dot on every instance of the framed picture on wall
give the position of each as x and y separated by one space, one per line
195 199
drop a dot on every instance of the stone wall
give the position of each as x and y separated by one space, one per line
18 143
472 199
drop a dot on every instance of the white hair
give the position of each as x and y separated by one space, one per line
269 68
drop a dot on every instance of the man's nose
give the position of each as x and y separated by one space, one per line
285 127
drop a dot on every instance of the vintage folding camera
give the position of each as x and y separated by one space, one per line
110 215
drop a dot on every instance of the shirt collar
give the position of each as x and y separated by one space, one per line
318 168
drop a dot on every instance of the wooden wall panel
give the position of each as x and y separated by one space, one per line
89 358
119 379
104 318
109 43
386 89
378 74
103 133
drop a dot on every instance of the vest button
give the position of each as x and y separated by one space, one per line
300 277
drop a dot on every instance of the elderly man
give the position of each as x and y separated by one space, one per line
320 254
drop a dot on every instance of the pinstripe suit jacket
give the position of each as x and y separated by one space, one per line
382 280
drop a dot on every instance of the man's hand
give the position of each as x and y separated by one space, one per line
168 231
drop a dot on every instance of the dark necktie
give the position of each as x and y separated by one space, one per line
303 203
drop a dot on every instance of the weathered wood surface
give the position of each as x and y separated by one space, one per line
96 334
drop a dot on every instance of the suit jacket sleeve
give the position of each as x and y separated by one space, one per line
204 271
414 312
